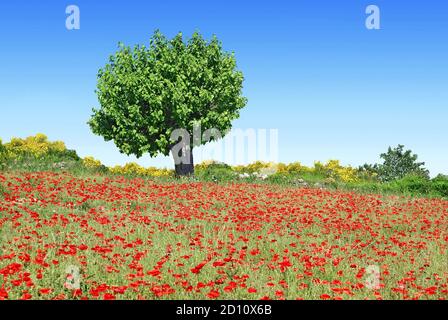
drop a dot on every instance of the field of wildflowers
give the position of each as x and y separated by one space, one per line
64 237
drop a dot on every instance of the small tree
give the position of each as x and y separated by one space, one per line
146 93
399 163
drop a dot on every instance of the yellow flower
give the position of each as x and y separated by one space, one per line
36 146
91 163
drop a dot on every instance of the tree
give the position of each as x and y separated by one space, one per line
147 93
397 164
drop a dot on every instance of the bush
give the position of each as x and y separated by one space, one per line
214 172
335 171
413 184
134 169
2 155
440 185
368 173
211 163
254 167
93 164
397 164
281 178
66 154
36 153
294 168
38 147
440 178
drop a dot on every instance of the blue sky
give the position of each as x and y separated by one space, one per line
312 70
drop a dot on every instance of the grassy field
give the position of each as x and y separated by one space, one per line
70 236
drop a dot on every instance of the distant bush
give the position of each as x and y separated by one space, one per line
2 155
38 147
214 171
368 173
156 172
334 170
211 163
440 178
36 153
256 166
440 185
397 164
135 169
93 164
293 168
413 184
281 178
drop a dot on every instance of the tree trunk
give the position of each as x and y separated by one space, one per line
185 169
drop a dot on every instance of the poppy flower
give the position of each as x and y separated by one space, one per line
213 294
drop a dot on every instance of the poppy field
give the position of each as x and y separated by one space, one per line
108 237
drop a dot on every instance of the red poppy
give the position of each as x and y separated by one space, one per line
213 294
45 291
198 268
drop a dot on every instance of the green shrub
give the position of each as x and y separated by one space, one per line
282 178
440 185
414 184
441 188
2 155
440 178
215 172
368 172
397 164
66 154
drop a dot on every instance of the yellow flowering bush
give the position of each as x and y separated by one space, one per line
258 166
129 168
293 168
37 146
338 172
155 172
133 168
239 168
91 163
282 168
